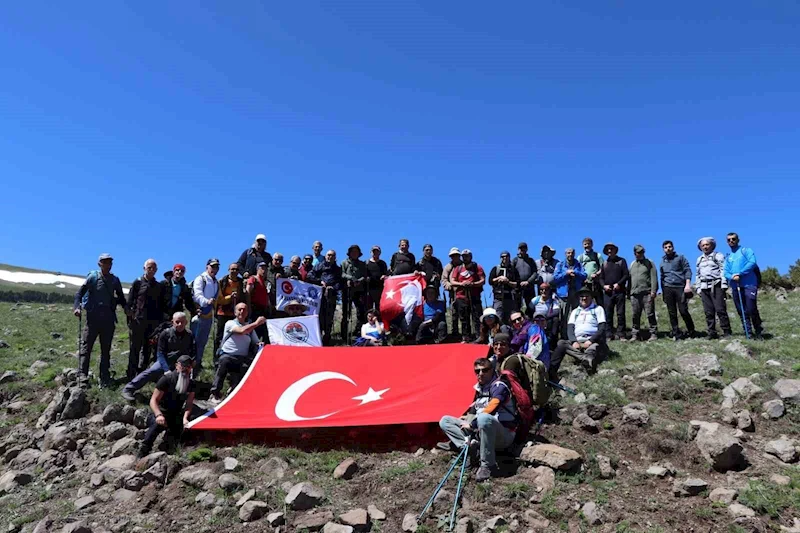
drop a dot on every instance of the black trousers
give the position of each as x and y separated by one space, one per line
102 324
469 308
431 331
675 300
139 356
614 302
359 301
714 307
235 365
174 429
328 308
504 305
220 331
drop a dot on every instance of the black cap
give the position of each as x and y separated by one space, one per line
185 359
522 245
505 337
584 290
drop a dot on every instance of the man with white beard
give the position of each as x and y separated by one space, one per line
172 391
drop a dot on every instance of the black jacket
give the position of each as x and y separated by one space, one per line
330 273
502 290
172 345
185 300
402 263
432 268
249 260
615 271
146 300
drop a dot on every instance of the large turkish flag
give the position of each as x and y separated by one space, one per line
293 387
402 295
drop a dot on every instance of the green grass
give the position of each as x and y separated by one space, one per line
395 472
201 455
323 463
768 498
517 490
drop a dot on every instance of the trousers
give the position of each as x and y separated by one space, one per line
714 307
675 300
643 302
102 324
493 435
614 302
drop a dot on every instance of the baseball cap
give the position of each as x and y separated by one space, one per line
261 237
178 266
505 252
105 257
261 264
376 247
185 359
466 251
522 245
212 261
638 248
454 251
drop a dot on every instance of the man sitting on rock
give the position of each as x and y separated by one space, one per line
239 343
586 330
492 415
172 391
172 343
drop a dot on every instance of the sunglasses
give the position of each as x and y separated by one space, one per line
234 270
515 320
540 319
482 371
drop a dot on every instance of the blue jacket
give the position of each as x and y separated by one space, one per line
561 280
741 261
330 273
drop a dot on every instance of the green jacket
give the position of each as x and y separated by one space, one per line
353 271
644 277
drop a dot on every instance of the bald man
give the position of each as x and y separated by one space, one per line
146 304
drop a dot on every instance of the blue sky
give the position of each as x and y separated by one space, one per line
181 130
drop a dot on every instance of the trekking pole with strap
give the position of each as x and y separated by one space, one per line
743 312
562 387
460 483
462 455
80 330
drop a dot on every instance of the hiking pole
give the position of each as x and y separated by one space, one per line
562 387
743 312
462 453
460 483
539 425
80 329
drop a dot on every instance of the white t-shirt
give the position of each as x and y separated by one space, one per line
586 321
376 331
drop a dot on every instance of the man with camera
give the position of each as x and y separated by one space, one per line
504 280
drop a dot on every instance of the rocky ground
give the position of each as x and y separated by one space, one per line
697 435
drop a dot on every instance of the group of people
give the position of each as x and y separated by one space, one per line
544 308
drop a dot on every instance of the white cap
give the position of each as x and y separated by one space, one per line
261 237
454 251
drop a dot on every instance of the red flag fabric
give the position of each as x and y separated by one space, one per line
292 387
402 295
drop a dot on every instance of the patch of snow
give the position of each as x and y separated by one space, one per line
43 278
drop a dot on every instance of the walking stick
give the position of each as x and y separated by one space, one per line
743 312
80 330
462 454
562 387
460 483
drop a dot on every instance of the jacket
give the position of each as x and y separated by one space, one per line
615 271
741 261
675 271
561 280
502 290
184 298
272 274
525 266
545 271
432 268
644 278
354 270
172 345
329 273
710 269
402 263
250 258
225 302
204 292
145 299
100 294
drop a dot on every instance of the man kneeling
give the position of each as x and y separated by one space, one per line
239 341
171 392
586 330
492 414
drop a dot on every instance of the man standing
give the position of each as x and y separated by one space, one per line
403 261
378 272
526 268
305 268
504 280
317 257
293 270
238 345
568 280
172 391
455 260
231 292
329 275
99 295
711 286
275 272
258 299
250 258
173 342
145 300
177 294
431 267
586 336
643 290
676 286
740 271
592 262
468 279
204 291
614 278
546 267
354 275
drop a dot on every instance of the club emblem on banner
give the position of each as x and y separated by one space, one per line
295 332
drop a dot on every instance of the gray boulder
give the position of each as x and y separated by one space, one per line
737 348
358 519
635 414
333 527
721 449
605 467
198 476
689 487
773 409
59 437
77 405
230 482
124 446
783 448
76 527
410 524
115 431
312 520
555 457
117 412
346 469
699 365
586 423
591 513
13 479
788 390
304 496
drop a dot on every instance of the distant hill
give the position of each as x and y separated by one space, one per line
34 285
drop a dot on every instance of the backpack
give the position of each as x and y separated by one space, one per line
92 278
537 377
525 408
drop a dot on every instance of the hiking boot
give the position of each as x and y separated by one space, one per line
447 446
712 335
485 472
473 455
652 338
128 395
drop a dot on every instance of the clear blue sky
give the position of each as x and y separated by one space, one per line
180 130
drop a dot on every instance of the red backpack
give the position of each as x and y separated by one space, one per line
525 408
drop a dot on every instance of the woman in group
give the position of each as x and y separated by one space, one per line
372 333
491 326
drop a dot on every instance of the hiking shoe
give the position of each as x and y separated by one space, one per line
447 446
473 459
483 473
214 401
652 338
128 395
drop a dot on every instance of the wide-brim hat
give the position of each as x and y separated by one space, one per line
354 247
610 245
489 311
584 291
105 257
295 303
454 251
712 240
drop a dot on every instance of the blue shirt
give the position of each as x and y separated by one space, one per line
429 309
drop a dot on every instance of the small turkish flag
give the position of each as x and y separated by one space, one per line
291 387
402 295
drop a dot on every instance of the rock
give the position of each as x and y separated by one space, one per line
230 482
124 495
36 367
699 365
140 418
661 470
788 390
276 519
737 348
410 523
346 469
721 449
783 448
555 457
115 431
591 513
579 398
712 382
650 373
132 480
76 527
198 476
635 414
357 518
794 529
43 526
465 525
117 412
124 446
252 510
597 411
13 479
4 345
231 464
59 437
722 495
246 497
82 503
77 405
585 423
745 388
604 465
274 469
689 487
536 520
778 479
737 510
8 376
304 496
149 460
744 421
332 527
96 480
205 499
648 386
543 480
773 409
773 362
495 522
375 513
25 458
312 520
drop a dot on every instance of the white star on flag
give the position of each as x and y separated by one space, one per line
370 396
390 295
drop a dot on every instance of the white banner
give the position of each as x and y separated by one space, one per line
305 293
295 331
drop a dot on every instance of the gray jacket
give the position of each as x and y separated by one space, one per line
709 271
675 271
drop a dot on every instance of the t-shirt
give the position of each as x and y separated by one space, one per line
586 321
472 273
259 297
429 309
172 402
376 270
550 308
376 331
237 343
